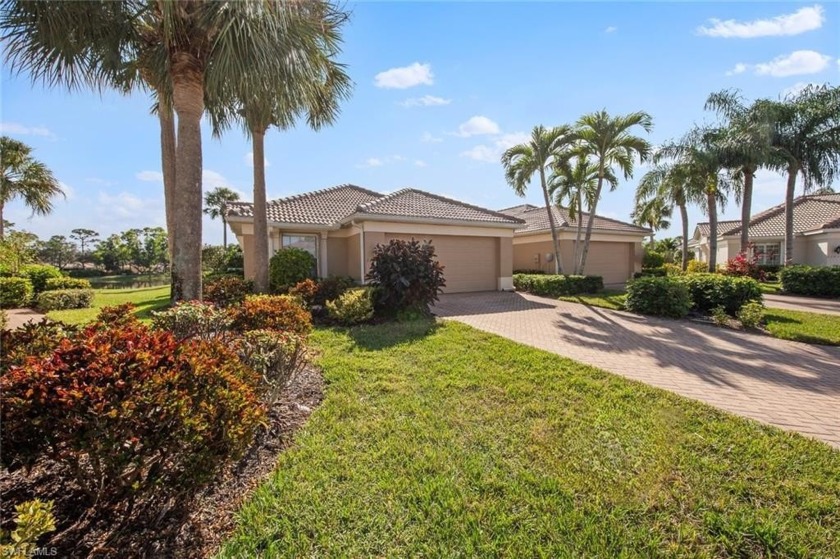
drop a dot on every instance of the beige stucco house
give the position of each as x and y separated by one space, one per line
615 251
816 234
341 226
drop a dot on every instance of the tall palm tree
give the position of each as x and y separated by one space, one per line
653 213
520 162
669 183
215 202
745 145
25 177
609 140
805 139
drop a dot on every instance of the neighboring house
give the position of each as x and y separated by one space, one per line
615 251
340 226
816 234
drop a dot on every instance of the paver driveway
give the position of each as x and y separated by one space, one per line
787 384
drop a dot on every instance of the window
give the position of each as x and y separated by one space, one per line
309 243
767 254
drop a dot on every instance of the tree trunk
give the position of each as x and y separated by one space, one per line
188 102
712 203
591 221
260 217
793 170
579 225
167 160
2 224
746 207
684 218
224 232
558 268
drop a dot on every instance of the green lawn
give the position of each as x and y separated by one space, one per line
147 299
443 441
770 288
606 299
805 327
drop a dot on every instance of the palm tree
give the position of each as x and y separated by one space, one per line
652 213
668 183
25 177
520 162
609 141
745 146
215 202
805 139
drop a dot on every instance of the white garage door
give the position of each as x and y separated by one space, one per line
609 260
470 263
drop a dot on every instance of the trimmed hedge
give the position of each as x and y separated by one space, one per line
819 281
15 292
38 274
657 296
63 299
554 285
709 291
653 259
289 266
53 284
659 272
353 306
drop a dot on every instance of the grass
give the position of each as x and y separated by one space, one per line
147 299
770 288
438 440
605 299
808 327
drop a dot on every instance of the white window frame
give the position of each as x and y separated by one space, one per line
760 251
314 236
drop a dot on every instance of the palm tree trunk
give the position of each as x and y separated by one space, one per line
188 102
2 223
224 232
684 218
260 217
793 170
591 221
746 207
712 203
558 268
579 224
167 157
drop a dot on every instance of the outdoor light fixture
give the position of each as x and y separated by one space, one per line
837 249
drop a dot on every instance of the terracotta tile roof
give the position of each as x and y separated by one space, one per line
724 227
810 213
536 219
332 206
410 202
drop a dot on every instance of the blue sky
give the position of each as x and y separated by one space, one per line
440 90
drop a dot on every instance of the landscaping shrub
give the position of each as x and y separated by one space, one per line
4 320
672 269
32 339
275 356
129 410
352 307
118 315
716 290
719 316
744 266
289 266
653 259
270 312
193 319
407 275
528 272
751 314
54 284
33 519
331 288
818 281
225 291
306 291
658 296
697 267
64 299
15 292
659 272
555 285
38 274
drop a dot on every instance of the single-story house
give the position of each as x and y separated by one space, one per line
340 226
816 234
615 250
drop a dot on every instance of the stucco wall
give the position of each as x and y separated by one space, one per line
353 257
337 256
614 261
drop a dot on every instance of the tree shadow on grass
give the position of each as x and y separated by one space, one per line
375 337
147 307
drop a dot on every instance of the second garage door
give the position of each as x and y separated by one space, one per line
470 263
610 261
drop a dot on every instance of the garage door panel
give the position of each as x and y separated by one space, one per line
470 263
609 260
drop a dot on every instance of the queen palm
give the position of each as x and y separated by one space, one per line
652 213
215 203
521 162
26 178
669 184
609 141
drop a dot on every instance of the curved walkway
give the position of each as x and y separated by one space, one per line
790 385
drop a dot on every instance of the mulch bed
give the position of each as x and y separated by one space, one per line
195 527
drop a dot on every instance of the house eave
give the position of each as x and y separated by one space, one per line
362 216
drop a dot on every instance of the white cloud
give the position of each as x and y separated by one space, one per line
425 101
100 182
492 153
611 29
481 153
150 176
249 160
371 162
420 163
69 191
477 126
14 128
127 206
506 141
428 138
739 68
405 77
800 21
797 63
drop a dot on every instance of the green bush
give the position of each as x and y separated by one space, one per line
751 314
270 312
225 291
407 275
719 316
817 281
331 288
352 307
86 273
659 272
289 266
658 296
652 259
673 269
193 319
38 274
528 272
53 284
4 319
63 299
33 519
32 339
709 291
697 267
554 285
276 356
15 292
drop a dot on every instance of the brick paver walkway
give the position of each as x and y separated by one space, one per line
787 384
